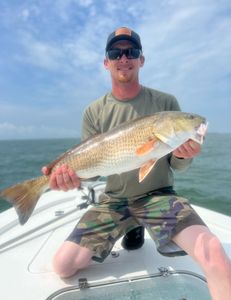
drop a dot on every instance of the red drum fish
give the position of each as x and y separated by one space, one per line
131 145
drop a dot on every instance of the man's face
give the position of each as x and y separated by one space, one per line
124 70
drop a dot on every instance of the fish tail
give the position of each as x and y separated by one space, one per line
24 196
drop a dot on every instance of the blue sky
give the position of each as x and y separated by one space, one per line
51 59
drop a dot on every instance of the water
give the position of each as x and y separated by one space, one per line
206 183
23 159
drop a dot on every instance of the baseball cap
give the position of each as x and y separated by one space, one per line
123 34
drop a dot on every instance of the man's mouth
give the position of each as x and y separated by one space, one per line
124 68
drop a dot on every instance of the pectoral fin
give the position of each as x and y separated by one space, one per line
147 147
146 169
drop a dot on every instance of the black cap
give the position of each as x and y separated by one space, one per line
123 34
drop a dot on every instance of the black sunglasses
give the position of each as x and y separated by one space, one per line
131 53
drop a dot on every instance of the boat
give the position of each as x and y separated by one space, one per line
26 257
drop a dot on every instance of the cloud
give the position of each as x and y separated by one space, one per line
64 39
188 43
39 53
9 130
25 14
52 58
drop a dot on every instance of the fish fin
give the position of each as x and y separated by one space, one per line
162 138
24 196
146 169
147 147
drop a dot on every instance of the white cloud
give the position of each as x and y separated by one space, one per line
58 51
39 53
85 3
186 41
7 126
25 14
12 130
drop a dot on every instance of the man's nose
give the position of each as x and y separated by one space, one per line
124 58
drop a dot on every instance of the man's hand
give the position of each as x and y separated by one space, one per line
188 150
63 178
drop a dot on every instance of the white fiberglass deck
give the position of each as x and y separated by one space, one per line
26 259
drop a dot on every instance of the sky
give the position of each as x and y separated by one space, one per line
52 52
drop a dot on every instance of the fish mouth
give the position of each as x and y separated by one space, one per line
201 132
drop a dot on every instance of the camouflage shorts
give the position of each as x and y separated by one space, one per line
102 225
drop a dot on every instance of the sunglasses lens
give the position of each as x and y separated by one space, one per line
131 53
114 54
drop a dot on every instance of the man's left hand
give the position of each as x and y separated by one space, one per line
188 150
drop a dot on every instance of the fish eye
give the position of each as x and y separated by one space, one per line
191 117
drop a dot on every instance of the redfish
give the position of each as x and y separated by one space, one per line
131 145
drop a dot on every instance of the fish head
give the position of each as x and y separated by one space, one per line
177 127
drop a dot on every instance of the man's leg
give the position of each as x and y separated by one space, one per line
93 237
70 258
206 249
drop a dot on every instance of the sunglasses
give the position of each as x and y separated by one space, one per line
130 53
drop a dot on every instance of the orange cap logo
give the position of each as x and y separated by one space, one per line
123 30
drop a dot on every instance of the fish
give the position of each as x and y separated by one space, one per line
136 144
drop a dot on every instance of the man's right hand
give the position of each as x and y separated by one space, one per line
63 178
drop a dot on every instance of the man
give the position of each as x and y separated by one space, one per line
126 203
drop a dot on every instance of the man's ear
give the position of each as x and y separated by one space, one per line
142 60
105 62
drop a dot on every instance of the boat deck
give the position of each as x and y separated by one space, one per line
26 251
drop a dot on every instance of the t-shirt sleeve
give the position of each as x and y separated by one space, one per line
89 127
174 104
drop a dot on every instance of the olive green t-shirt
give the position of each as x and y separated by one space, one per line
108 112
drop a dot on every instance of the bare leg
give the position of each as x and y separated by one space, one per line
70 258
206 249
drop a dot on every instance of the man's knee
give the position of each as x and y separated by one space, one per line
70 258
210 254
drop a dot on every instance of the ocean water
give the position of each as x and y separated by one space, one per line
206 183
